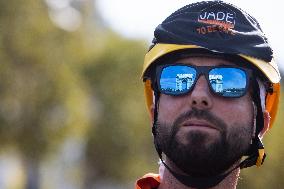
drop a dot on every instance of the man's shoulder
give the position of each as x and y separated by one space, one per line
148 181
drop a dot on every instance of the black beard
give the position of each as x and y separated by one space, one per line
196 158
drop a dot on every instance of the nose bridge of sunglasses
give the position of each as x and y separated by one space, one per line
213 81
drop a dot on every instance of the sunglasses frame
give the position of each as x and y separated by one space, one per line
201 70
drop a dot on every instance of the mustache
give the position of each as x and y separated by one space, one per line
198 114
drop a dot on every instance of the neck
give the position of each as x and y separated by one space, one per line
169 181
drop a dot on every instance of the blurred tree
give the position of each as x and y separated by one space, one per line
42 98
54 82
120 146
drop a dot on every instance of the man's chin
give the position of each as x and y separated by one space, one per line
199 156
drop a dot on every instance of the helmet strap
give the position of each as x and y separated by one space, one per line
154 126
256 151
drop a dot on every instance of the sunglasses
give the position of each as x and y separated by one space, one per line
225 81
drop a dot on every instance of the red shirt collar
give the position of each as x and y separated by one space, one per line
148 181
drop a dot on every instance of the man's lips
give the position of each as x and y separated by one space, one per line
199 123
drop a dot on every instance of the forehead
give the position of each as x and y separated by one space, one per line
205 61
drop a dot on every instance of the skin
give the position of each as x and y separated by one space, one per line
230 110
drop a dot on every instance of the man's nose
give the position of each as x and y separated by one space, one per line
201 97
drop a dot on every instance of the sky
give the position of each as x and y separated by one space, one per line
138 18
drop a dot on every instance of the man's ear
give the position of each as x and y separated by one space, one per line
266 118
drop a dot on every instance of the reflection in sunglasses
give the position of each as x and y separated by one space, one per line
224 81
183 81
216 82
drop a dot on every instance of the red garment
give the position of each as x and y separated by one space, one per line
148 181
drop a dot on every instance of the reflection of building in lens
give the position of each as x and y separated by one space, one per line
234 92
183 81
216 82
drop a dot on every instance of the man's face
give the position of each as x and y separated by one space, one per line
201 133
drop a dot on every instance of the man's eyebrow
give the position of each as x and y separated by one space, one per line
181 62
231 64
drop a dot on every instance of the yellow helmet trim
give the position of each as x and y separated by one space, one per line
161 49
148 94
260 157
272 102
270 69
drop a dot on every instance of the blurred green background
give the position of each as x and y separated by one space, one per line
72 110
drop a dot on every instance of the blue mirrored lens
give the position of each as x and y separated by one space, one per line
228 82
177 79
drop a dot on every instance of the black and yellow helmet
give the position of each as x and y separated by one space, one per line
218 27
